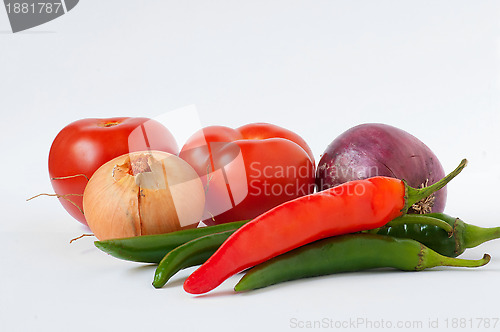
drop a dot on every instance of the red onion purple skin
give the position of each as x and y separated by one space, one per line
375 149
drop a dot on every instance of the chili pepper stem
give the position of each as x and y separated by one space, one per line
413 195
475 235
422 220
430 258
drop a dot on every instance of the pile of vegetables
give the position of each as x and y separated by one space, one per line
375 200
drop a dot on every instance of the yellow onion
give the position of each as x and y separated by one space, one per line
143 193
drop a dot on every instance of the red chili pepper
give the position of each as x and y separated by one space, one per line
351 207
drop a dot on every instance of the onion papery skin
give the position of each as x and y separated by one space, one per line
143 193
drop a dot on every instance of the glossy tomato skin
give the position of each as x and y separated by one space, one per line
266 130
84 145
249 170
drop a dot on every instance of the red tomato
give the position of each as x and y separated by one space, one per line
249 170
84 145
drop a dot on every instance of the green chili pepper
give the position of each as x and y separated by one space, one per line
152 248
463 236
197 251
348 253
194 252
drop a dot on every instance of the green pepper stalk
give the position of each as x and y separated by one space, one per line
463 235
349 253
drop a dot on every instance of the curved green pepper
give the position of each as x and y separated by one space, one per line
192 253
348 253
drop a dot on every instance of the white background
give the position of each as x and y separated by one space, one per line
315 67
